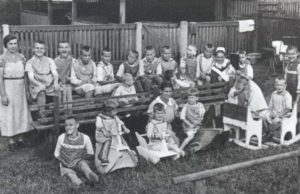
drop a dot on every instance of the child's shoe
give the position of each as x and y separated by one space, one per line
93 177
104 162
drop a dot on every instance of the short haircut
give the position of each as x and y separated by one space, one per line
166 85
85 48
195 50
280 78
169 74
39 42
109 105
192 92
209 46
72 118
158 107
135 52
149 48
8 38
166 47
292 47
63 42
242 52
106 49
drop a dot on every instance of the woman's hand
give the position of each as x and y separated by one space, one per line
4 100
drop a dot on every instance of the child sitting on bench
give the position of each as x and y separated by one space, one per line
107 125
245 66
158 130
166 62
84 74
280 105
105 74
190 63
191 115
64 63
74 150
126 88
42 74
205 62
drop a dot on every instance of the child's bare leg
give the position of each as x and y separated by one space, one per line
74 179
186 141
88 173
176 149
105 151
100 146
41 100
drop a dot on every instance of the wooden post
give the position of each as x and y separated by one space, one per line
50 12
55 131
298 175
21 12
183 37
122 12
200 187
5 30
139 38
74 11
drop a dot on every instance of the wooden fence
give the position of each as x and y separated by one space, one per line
279 28
224 34
120 38
199 178
283 8
242 8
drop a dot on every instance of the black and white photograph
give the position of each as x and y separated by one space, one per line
149 96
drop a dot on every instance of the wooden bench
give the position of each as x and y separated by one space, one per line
86 110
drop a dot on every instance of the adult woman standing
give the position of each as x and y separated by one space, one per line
14 112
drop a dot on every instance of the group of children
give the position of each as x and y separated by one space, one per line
73 148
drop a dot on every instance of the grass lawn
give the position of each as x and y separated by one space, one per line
34 170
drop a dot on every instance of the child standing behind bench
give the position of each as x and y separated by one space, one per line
105 74
191 115
132 67
42 74
64 63
190 63
149 70
158 130
84 74
74 150
107 125
280 105
206 62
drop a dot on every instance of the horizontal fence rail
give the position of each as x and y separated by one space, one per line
200 176
224 34
119 38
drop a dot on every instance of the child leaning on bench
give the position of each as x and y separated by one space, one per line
84 74
74 150
107 125
42 74
280 106
191 115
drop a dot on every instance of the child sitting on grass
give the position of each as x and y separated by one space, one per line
190 63
280 105
107 125
191 115
74 150
245 66
105 74
158 130
206 62
42 74
170 105
64 63
126 88
84 74
132 67
149 70
166 62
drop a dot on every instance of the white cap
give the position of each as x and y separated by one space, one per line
222 49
